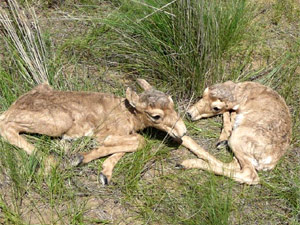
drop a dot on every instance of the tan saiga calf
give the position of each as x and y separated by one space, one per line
259 129
112 120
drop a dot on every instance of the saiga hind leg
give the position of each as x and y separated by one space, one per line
246 175
240 169
34 122
11 134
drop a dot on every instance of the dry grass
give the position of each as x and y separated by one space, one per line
22 35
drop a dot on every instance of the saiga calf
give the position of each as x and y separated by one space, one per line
258 130
112 120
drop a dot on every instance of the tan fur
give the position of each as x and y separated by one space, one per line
112 120
258 129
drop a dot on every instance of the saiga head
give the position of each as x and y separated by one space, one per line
157 109
216 99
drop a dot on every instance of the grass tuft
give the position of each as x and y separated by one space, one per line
179 42
24 42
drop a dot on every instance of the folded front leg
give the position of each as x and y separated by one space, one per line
228 121
108 166
113 145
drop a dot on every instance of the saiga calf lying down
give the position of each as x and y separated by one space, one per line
112 120
258 129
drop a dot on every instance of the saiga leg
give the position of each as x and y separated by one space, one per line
233 170
240 170
228 122
116 146
11 134
108 166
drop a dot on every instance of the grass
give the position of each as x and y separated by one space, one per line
180 49
181 43
23 39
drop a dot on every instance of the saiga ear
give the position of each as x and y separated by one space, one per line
144 84
206 91
132 97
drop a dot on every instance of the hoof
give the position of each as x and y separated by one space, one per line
76 160
222 144
103 179
179 166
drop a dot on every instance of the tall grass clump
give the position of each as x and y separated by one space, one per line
179 41
22 35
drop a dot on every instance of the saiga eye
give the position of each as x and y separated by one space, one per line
216 109
155 117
